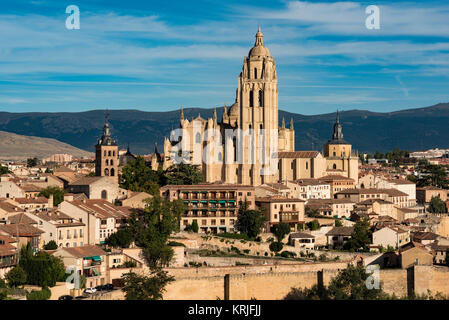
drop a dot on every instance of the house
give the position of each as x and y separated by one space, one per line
59 227
8 254
32 204
425 194
279 209
96 188
392 236
100 217
338 236
441 249
306 189
414 253
26 233
136 200
338 183
425 238
89 261
302 240
213 206
337 208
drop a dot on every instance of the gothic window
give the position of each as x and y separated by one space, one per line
260 98
255 73
220 157
251 99
334 166
106 172
198 138
112 172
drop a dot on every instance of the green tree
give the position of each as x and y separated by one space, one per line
195 227
145 287
250 222
280 231
276 246
16 277
32 162
313 213
51 245
182 174
360 237
338 223
122 238
58 194
313 225
43 294
137 176
4 170
436 205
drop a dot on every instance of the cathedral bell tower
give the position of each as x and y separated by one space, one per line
106 154
257 97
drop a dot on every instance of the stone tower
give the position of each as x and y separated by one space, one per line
257 97
106 154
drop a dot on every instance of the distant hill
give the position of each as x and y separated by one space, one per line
411 129
17 147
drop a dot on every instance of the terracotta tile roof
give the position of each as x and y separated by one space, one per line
40 200
85 181
30 188
208 187
8 207
277 199
425 236
85 251
340 231
103 208
21 218
21 230
301 235
297 154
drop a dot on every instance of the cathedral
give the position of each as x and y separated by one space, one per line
248 146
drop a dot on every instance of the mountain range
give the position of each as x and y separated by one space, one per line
411 129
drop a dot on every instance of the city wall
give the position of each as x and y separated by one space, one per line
274 285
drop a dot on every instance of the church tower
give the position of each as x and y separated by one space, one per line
106 154
257 97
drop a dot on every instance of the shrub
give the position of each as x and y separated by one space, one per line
43 294
246 251
16 277
288 254
235 249
195 227
176 244
276 246
51 245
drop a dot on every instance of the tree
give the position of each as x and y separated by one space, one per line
436 205
122 238
137 176
350 284
143 287
338 223
4 170
195 226
276 246
51 245
58 194
182 174
42 269
360 237
313 225
280 230
32 162
313 213
16 277
250 222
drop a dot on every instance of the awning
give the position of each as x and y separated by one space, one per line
96 258
204 191
213 201
231 200
194 201
203 201
222 201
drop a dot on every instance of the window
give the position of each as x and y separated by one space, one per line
334 166
260 98
104 194
198 138
109 153
106 172
255 73
112 171
251 99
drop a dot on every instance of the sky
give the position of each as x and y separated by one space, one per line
159 55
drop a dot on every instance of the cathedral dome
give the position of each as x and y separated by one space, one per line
259 49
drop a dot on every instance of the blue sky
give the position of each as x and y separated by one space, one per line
159 55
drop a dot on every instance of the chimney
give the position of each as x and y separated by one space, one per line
50 201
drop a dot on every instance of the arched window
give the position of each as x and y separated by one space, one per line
260 98
109 153
112 172
113 153
198 138
334 166
251 99
106 172
104 194
255 73
112 162
307 166
220 157
107 162
261 126
104 153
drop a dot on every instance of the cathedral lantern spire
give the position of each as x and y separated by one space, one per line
182 113
259 38
338 133
283 123
291 124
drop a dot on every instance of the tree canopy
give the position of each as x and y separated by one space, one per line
436 205
58 194
250 222
360 237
